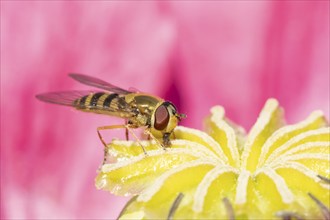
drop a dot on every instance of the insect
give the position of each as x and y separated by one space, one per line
157 116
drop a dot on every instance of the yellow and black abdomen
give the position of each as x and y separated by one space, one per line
104 103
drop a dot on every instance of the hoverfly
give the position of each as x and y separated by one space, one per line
159 117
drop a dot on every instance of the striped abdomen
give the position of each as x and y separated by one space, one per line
104 103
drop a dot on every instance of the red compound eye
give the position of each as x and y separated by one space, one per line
161 118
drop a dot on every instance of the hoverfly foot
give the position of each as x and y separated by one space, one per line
166 140
164 147
144 151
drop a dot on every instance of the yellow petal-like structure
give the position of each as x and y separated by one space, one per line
276 171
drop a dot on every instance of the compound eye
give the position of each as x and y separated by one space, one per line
162 118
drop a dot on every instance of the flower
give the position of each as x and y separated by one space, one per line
276 170
195 54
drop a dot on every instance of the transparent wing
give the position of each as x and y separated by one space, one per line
63 98
112 104
98 83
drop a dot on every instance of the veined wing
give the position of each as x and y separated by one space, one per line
98 83
92 101
67 98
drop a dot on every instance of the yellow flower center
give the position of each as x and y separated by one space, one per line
276 171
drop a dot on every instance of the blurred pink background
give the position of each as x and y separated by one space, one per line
197 54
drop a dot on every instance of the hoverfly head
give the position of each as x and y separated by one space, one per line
166 117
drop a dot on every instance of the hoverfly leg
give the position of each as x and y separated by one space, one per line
146 131
126 130
104 144
128 127
166 139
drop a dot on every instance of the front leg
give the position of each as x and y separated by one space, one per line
166 139
147 131
128 128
